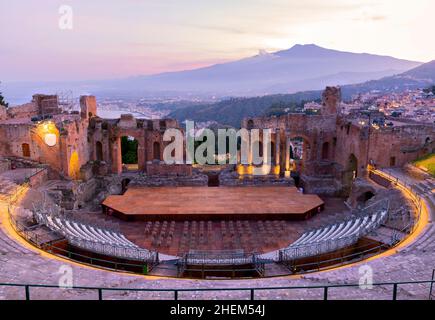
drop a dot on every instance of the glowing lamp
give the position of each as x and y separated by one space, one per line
277 169
240 169
50 139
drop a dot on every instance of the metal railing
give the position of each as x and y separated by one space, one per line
251 291
111 248
415 195
320 247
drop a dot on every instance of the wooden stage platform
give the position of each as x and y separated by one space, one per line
212 203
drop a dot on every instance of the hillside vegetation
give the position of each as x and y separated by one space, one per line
427 163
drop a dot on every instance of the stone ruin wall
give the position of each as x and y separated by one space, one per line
332 138
148 133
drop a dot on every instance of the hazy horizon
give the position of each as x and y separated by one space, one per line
112 40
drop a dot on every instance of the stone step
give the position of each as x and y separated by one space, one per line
9 245
428 235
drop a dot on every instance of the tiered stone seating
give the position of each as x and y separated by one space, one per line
92 238
9 190
336 236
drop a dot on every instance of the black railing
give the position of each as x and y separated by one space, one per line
87 259
175 293
432 296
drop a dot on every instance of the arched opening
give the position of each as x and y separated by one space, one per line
25 148
352 166
351 171
297 148
124 184
250 124
299 153
325 151
156 151
129 147
99 151
364 197
74 166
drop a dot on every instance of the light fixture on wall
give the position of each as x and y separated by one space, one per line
48 132
50 139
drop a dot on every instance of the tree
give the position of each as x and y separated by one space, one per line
3 102
129 150
430 89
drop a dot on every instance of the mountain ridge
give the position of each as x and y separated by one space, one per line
260 74
231 112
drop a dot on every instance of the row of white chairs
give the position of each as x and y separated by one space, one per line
335 236
93 238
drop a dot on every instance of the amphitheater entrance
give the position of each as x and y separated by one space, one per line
363 198
351 170
129 146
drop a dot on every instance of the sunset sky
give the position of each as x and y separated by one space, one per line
112 39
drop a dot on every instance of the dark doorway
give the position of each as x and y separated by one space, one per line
392 161
363 198
99 150
352 166
124 184
213 180
272 153
26 149
156 151
325 151
296 178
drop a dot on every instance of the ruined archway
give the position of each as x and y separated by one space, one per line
352 166
351 172
129 146
299 153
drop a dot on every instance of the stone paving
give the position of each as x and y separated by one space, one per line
20 263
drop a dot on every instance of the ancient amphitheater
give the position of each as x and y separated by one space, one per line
342 214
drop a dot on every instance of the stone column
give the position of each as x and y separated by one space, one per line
277 147
116 156
141 154
287 154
